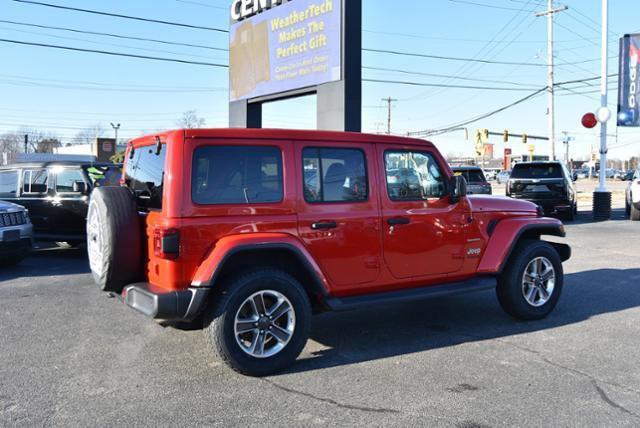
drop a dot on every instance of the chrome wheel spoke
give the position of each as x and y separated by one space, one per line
544 295
280 334
258 345
258 301
281 308
547 275
531 294
245 326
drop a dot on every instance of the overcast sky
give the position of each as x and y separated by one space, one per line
65 91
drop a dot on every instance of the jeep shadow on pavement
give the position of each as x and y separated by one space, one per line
249 232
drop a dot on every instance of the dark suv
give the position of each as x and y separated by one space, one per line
56 194
547 184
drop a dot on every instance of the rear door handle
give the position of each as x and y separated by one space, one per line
324 225
398 221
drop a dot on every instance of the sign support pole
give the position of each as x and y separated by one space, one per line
602 197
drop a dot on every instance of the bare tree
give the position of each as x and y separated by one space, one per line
48 145
89 134
191 120
11 144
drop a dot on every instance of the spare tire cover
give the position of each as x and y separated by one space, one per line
114 238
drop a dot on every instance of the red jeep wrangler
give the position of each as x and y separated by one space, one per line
250 231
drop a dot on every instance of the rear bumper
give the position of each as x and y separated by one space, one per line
183 305
550 204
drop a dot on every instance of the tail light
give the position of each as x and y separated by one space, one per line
166 243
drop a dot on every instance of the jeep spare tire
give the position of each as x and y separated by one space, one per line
113 238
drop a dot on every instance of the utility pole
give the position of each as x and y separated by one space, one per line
389 101
116 128
551 75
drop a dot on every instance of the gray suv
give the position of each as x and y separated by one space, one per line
16 233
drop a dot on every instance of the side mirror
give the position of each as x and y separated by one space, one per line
458 188
79 187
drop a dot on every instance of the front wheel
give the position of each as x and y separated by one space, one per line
261 323
531 285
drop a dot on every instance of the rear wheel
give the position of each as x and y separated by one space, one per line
531 285
261 322
114 242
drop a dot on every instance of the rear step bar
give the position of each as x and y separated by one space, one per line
425 293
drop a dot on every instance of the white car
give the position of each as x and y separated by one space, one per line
633 197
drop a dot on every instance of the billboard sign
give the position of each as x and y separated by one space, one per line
629 86
276 46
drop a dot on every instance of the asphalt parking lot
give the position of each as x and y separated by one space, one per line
70 356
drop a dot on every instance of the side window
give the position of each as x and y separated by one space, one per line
145 175
8 183
35 181
334 175
66 178
237 175
413 176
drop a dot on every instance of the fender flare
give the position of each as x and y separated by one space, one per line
509 232
227 247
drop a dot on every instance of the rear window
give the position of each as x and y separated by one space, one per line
8 183
537 171
145 175
237 175
471 175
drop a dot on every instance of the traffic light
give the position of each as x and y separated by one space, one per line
505 136
525 138
485 135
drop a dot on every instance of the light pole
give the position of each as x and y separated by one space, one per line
116 128
602 197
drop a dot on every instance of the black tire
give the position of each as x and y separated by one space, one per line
634 212
221 330
118 236
510 283
12 260
627 208
570 215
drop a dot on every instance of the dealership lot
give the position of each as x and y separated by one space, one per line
73 356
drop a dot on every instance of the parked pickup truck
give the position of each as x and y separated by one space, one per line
248 232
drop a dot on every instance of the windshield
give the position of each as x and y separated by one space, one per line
471 175
537 171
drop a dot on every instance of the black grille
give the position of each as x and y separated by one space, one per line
12 219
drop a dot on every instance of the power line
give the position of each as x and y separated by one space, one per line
197 3
100 43
118 36
418 73
442 85
478 118
488 5
117 15
450 58
154 58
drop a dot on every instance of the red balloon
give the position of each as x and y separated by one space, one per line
589 120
